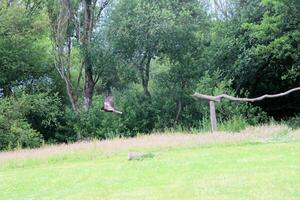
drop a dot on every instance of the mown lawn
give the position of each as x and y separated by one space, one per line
242 170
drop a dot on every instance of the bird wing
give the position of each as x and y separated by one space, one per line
108 103
109 99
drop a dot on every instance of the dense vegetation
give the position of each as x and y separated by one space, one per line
58 59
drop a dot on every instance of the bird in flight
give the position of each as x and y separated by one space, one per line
109 104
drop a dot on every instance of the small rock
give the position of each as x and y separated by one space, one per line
135 155
138 155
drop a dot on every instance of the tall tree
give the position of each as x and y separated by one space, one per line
141 31
73 25
23 45
258 48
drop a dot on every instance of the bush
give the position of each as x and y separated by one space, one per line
294 122
94 123
138 112
42 111
138 116
235 124
233 112
18 134
24 135
23 118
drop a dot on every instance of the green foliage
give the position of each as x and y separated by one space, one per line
139 112
138 116
94 123
140 31
24 118
235 124
24 46
214 84
294 122
267 60
17 134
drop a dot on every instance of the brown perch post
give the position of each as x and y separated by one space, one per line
213 99
213 117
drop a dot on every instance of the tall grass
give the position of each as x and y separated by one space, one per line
293 122
236 124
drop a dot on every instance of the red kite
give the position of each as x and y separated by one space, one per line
109 104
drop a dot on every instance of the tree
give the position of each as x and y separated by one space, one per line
270 61
73 25
257 48
23 46
141 31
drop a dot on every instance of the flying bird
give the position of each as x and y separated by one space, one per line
109 104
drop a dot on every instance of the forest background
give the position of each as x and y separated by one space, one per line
58 59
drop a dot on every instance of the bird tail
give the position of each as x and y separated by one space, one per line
118 112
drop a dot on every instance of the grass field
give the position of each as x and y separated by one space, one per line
259 163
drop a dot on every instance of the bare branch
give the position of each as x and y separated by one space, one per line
62 48
225 96
97 78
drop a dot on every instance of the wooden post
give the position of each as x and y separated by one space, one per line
213 118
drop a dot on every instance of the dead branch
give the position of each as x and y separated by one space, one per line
213 99
231 98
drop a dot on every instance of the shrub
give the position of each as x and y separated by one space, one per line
24 136
233 112
235 124
294 122
158 113
23 118
17 134
42 111
138 116
94 123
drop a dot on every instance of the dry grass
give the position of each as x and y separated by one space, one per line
155 140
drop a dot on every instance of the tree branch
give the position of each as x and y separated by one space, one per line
225 96
97 78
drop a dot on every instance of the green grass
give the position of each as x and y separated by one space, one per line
244 170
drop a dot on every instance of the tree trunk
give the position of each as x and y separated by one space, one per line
88 90
88 81
72 97
179 108
62 58
60 30
146 90
60 66
88 22
145 78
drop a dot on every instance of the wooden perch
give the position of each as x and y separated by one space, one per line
213 99
231 98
